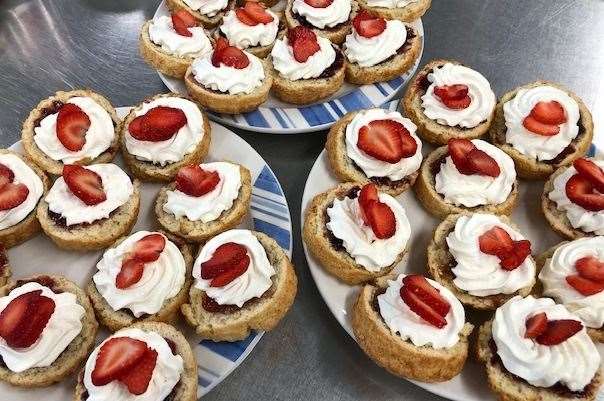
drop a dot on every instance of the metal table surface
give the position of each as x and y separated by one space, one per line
50 45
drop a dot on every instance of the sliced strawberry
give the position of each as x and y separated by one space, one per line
257 11
422 309
24 318
591 171
158 124
84 183
583 285
368 194
116 357
381 219
148 248
535 325
245 17
137 378
182 20
318 3
495 241
6 175
225 256
551 113
581 192
368 24
221 43
300 32
455 97
12 195
72 125
232 273
131 272
482 164
590 268
558 331
195 181
427 293
304 48
459 149
230 56
539 128
386 140
514 258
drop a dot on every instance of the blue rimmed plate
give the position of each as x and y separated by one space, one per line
269 213
278 117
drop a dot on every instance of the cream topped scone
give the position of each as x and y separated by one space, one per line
208 13
327 18
448 100
22 185
78 126
170 43
146 361
356 232
204 200
378 146
573 199
413 327
251 27
243 281
162 134
89 207
145 276
542 126
535 349
482 259
470 176
379 50
404 10
229 80
307 67
47 328
5 270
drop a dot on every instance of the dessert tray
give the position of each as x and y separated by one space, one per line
471 384
277 117
269 213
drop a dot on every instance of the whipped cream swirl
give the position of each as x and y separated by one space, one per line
479 90
328 17
162 33
166 374
99 136
244 36
23 175
207 7
580 218
573 362
252 284
534 145
478 273
286 64
562 264
161 280
228 79
117 186
367 52
401 320
63 326
210 206
390 3
346 223
475 190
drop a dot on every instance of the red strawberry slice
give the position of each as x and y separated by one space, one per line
386 140
368 194
304 48
583 285
539 128
558 331
148 248
195 181
590 268
455 97
225 256
6 175
422 309
535 325
591 171
116 357
482 164
24 318
72 125
182 20
581 192
12 195
495 241
138 377
551 113
318 3
221 43
514 258
84 183
470 160
245 17
368 24
427 293
158 124
381 219
230 56
300 32
232 273
257 11
131 272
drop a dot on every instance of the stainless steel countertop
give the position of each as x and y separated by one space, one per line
52 45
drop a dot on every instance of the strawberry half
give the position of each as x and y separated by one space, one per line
386 140
303 42
244 17
228 55
225 256
539 128
158 124
498 242
131 272
116 357
300 32
590 268
231 273
368 194
422 309
72 125
591 171
6 175
427 293
545 118
558 331
470 160
138 377
257 12
535 325
583 285
580 191
182 20
381 219
455 97
195 181
514 258
318 3
12 195
84 183
149 247
24 318
368 24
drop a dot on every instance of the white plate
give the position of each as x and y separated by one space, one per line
471 384
269 213
278 117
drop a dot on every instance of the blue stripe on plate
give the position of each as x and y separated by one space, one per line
256 119
280 119
269 203
382 90
269 213
592 150
267 181
230 351
355 100
316 114
281 235
396 83
203 382
336 108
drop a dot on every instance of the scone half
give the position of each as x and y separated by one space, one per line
5 270
409 13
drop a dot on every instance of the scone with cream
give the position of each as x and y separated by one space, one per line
327 18
5 270
404 10
208 13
